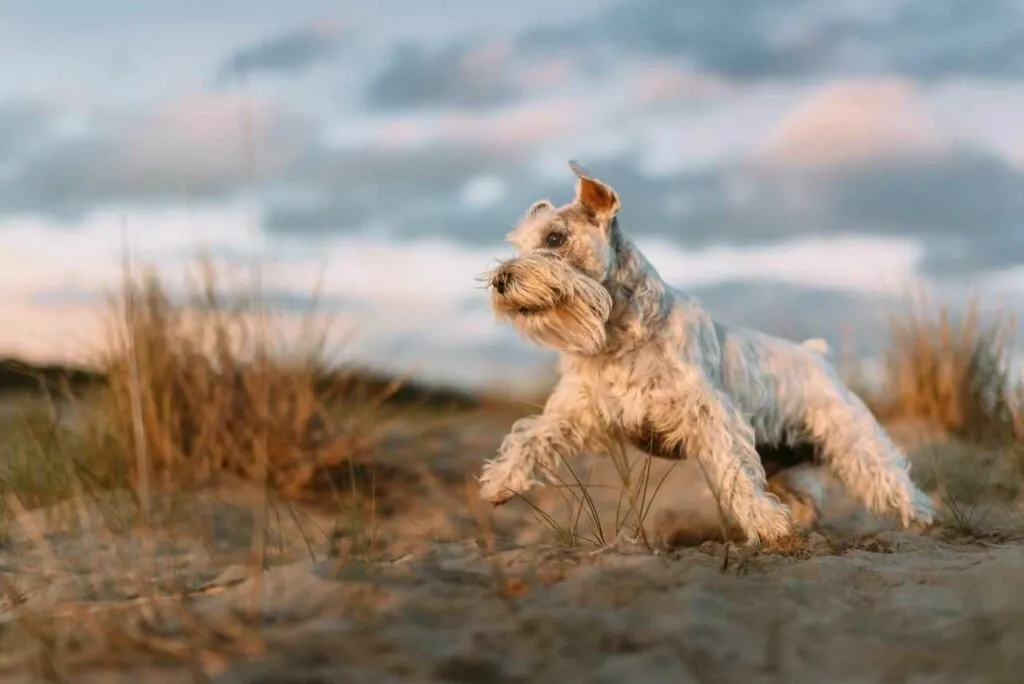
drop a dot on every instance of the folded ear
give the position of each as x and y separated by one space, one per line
596 197
539 207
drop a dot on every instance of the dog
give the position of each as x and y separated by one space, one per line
645 364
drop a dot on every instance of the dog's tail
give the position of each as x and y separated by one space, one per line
816 344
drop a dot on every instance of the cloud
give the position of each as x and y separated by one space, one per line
456 74
22 123
855 121
408 171
856 157
984 114
411 190
975 253
870 265
519 127
799 312
664 83
759 39
965 207
932 202
412 174
292 52
188 147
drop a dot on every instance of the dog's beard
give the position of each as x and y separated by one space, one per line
554 305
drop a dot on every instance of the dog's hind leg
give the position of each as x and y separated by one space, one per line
802 490
860 454
793 476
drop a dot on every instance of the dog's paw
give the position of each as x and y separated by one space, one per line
923 511
775 523
492 491
765 522
496 496
500 481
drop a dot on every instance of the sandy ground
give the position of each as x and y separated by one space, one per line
439 589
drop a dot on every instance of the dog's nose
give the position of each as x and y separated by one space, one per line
501 281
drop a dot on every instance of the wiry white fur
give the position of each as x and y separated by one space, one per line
640 358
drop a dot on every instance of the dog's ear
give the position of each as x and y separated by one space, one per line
596 197
540 207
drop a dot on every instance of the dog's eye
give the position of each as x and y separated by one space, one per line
554 239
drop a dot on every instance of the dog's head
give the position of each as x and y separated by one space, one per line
553 291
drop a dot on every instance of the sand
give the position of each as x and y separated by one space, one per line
439 589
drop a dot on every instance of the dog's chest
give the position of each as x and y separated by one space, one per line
648 440
629 400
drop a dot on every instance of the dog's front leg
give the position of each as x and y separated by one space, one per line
533 449
707 424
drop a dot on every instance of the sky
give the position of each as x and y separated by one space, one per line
799 166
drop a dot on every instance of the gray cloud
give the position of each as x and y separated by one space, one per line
976 251
754 39
189 148
292 52
966 209
456 74
797 312
969 211
61 181
22 123
415 190
946 196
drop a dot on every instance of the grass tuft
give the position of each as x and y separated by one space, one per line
953 370
200 390
581 522
194 389
954 373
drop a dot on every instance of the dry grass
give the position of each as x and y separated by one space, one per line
198 388
581 518
952 370
208 388
194 392
199 391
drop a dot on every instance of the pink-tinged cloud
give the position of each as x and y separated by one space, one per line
331 27
200 138
487 58
660 83
513 128
856 121
546 74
